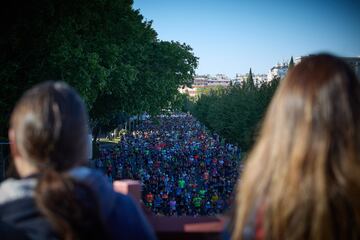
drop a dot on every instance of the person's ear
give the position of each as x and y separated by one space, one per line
23 167
13 148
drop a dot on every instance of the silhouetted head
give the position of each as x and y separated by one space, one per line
49 127
48 133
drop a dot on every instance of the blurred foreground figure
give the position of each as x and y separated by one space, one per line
57 198
302 178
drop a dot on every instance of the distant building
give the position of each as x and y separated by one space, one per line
210 81
192 92
201 80
240 78
219 80
206 81
278 71
354 63
258 78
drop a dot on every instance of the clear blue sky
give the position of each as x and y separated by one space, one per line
230 36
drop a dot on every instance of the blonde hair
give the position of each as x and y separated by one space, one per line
303 173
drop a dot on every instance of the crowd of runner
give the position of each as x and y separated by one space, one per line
184 169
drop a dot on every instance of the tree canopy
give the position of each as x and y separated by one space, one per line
235 113
103 48
250 80
291 63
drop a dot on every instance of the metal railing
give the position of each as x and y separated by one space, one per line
182 227
4 159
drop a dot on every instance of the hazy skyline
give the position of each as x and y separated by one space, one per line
231 36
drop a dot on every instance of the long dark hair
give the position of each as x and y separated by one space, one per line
50 126
302 176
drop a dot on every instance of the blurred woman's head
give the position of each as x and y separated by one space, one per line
48 134
302 176
48 128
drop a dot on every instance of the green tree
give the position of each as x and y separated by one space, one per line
249 80
103 48
291 63
235 112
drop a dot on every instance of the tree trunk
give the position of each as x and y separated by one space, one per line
96 132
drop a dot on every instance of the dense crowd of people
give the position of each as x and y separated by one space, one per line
184 169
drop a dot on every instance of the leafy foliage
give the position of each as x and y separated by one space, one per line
103 48
291 63
235 112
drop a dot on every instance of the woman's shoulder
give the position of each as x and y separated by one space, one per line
122 217
98 183
16 189
18 210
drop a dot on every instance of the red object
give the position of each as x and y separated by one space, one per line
206 175
259 227
149 197
164 196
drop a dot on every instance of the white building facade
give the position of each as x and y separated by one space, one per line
258 78
278 71
206 81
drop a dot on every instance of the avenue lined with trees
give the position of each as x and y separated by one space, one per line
113 58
